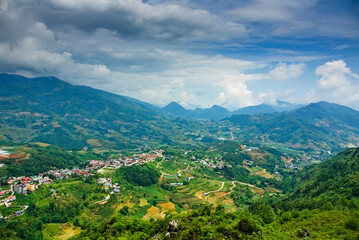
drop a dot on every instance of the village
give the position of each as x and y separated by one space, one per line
23 185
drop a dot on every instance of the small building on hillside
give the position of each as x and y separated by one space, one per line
10 198
116 190
176 184
20 189
19 213
31 186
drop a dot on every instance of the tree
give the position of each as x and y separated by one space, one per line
263 210
247 225
124 210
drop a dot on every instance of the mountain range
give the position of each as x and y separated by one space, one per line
217 112
49 110
214 113
320 125
52 111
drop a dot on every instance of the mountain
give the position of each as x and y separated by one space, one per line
265 108
175 109
322 126
121 99
49 110
217 112
329 181
214 113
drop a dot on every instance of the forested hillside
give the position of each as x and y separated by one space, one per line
321 126
52 111
330 183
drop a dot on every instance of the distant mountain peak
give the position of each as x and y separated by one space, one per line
175 108
218 107
267 108
174 105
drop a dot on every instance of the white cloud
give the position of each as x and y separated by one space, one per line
270 10
149 73
150 49
161 21
271 97
268 18
283 71
334 75
29 55
235 94
337 84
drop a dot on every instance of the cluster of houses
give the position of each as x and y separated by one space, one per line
107 185
23 185
247 149
66 173
208 163
135 159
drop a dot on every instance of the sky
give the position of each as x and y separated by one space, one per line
232 53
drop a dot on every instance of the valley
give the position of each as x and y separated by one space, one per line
105 166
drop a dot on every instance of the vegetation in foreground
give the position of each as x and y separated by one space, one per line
320 202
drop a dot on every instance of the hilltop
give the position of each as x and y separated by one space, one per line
321 126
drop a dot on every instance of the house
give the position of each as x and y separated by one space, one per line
189 179
2 193
10 198
176 184
107 185
31 186
101 180
20 189
26 179
116 190
18 213
104 180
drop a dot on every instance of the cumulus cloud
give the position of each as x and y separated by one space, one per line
136 19
337 84
155 75
297 18
235 94
30 56
157 51
283 71
334 75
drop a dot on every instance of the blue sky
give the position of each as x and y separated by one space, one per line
198 53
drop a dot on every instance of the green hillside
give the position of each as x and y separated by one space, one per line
245 199
52 111
330 183
321 126
322 205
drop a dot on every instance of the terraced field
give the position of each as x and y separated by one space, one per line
58 231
